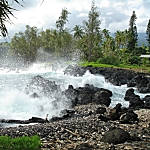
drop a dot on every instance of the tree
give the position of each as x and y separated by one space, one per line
5 13
92 32
132 33
78 31
25 45
108 45
63 19
62 33
48 40
148 34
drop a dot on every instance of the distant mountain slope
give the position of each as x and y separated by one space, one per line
142 39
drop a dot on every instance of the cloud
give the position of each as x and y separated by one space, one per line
114 14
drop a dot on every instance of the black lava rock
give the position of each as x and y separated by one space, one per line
115 136
129 117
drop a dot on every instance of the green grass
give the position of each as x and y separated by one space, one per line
94 64
20 143
137 68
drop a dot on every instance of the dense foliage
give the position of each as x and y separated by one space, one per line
88 40
5 12
26 44
20 143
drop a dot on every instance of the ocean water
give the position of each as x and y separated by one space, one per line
16 104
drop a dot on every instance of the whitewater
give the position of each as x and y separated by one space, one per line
16 104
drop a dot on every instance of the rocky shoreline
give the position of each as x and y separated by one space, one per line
90 124
86 130
116 76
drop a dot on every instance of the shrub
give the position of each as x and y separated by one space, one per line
110 60
20 143
135 60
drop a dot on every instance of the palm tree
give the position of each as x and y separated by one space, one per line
62 20
5 13
78 32
106 33
118 39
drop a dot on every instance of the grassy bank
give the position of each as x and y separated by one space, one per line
20 143
142 68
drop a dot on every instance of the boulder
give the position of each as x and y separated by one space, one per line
118 108
129 94
102 97
88 94
115 136
71 94
136 103
134 100
142 82
143 85
129 117
113 115
41 86
146 100
91 94
133 82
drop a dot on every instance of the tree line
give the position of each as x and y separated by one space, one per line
88 39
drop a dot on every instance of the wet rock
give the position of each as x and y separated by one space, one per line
64 114
102 97
131 83
31 120
113 115
136 103
129 117
34 95
71 94
55 118
143 85
113 75
88 94
42 86
67 113
134 100
142 82
116 76
84 95
146 100
116 136
75 70
129 94
36 119
135 80
118 108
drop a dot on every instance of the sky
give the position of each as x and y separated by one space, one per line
114 14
